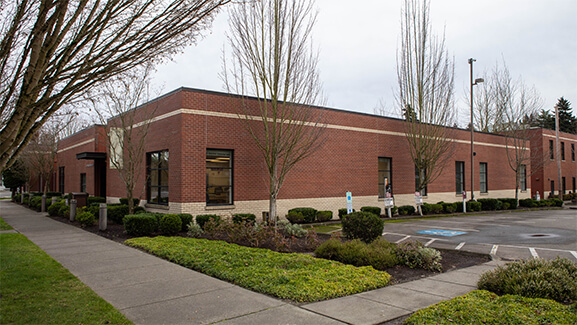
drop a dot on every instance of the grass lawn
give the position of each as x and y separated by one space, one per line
297 277
484 307
4 225
35 289
328 229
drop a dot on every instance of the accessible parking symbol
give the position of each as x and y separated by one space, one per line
441 232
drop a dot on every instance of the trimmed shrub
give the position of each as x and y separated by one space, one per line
204 218
116 213
437 208
535 278
36 202
142 224
244 217
170 224
556 202
124 201
186 219
415 255
449 207
512 203
94 208
323 216
86 218
309 214
96 200
53 209
490 204
363 225
373 210
343 212
506 205
473 206
295 217
290 229
406 210
194 230
64 211
16 198
528 203
380 254
426 208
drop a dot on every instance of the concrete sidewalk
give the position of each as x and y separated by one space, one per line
150 290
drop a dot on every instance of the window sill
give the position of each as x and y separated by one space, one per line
156 206
220 207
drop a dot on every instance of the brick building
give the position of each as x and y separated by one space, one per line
201 160
545 177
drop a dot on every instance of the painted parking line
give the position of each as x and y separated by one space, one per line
494 249
574 253
402 239
460 246
533 252
433 240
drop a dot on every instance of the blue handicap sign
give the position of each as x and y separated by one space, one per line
440 232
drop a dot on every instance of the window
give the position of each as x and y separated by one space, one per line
573 185
459 177
83 182
385 176
552 187
563 184
61 180
483 178
562 150
523 177
418 182
572 151
551 150
157 172
218 177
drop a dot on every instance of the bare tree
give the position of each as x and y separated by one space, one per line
272 60
116 106
53 51
425 96
514 103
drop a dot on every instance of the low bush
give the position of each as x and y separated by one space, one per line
436 208
323 216
290 229
373 210
53 209
297 277
194 230
556 202
362 225
204 218
535 278
94 208
343 212
170 224
309 214
380 254
116 213
186 219
426 208
449 207
528 203
17 198
124 201
473 206
406 210
295 217
490 204
142 224
86 218
512 203
483 307
415 255
64 211
95 200
244 217
36 202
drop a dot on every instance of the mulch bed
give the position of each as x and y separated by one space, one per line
452 260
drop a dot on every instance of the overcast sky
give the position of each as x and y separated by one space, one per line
358 44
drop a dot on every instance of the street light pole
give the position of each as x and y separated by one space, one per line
473 83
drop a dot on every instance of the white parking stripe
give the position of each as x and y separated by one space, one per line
430 242
574 253
460 246
494 249
533 252
403 239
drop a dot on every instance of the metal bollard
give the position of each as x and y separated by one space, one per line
43 207
103 219
72 210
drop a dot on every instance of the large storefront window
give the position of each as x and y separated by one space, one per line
385 173
218 177
157 189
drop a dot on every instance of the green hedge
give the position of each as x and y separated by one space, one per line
309 214
142 224
373 210
124 201
365 226
490 204
186 219
323 216
170 224
343 212
202 219
96 200
380 254
406 210
244 217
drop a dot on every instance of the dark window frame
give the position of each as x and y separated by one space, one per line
82 182
61 179
562 150
459 177
381 180
572 152
551 150
230 168
523 178
158 187
484 178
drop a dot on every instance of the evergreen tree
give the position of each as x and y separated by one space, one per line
567 122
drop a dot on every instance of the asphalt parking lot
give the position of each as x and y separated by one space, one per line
509 236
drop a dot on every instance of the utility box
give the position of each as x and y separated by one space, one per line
81 199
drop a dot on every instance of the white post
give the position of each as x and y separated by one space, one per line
72 209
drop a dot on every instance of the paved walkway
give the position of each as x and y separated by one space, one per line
150 290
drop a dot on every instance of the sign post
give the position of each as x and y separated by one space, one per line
349 203
464 202
388 197
419 202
